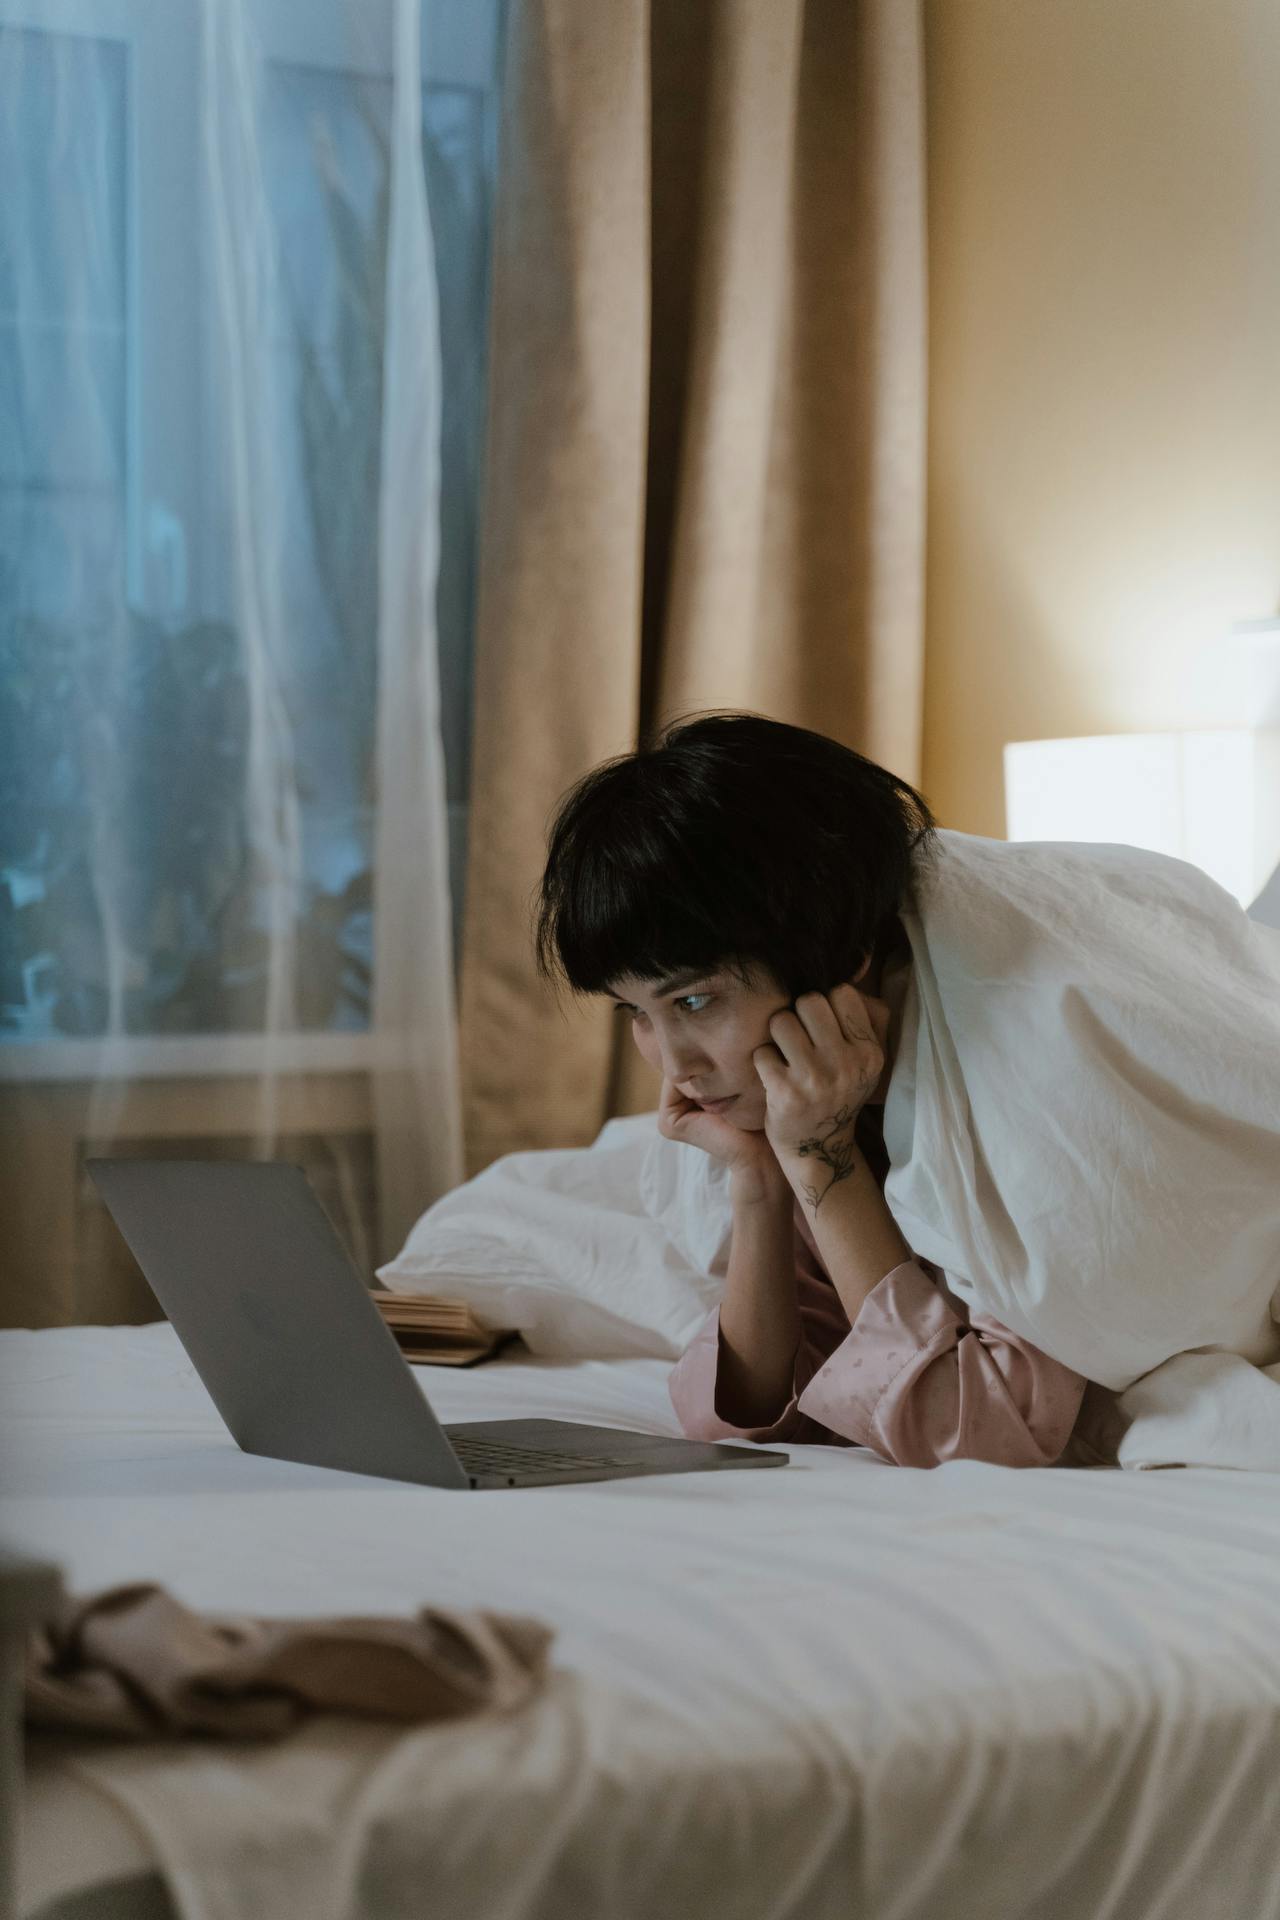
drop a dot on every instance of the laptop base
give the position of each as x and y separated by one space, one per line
539 1453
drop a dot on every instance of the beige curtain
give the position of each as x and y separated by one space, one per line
706 447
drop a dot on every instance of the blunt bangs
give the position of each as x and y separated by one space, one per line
626 891
733 841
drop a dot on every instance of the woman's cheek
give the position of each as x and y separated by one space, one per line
645 1045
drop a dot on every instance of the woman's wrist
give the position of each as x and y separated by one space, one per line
817 1168
760 1184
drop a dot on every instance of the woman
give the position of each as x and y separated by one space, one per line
736 891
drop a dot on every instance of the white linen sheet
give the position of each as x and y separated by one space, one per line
829 1689
1083 1122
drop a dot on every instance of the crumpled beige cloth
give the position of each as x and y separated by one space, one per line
133 1662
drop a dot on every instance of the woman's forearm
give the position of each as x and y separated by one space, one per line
759 1317
858 1237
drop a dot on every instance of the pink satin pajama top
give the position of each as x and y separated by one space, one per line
917 1378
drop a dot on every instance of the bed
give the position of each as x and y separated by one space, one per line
840 1688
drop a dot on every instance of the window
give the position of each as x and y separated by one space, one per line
125 694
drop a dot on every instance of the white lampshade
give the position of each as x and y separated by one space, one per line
1212 798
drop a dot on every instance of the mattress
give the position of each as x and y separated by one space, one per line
838 1688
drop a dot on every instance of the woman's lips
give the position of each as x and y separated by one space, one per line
717 1106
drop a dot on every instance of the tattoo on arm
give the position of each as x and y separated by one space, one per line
837 1149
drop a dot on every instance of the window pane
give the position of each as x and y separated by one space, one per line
123 725
63 380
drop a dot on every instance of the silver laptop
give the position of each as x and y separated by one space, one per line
282 1330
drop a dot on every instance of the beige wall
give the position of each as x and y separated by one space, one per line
1104 253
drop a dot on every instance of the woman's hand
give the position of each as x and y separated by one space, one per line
748 1156
821 1064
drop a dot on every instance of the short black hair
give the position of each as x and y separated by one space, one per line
731 840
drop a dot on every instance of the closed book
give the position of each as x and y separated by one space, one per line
437 1332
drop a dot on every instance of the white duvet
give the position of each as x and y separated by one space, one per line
1084 1128
836 1688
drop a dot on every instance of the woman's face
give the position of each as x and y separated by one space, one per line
699 1030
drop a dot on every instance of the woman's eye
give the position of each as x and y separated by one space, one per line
687 1003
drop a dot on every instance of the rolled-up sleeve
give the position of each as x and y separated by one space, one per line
918 1381
695 1377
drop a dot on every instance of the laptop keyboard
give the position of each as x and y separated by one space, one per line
498 1456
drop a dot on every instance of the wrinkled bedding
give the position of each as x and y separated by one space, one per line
839 1687
1084 1128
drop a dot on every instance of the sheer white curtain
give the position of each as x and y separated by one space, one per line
418 1101
243 282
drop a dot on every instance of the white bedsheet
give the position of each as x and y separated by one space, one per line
1083 1122
831 1689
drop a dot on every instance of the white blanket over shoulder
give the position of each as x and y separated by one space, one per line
1084 1128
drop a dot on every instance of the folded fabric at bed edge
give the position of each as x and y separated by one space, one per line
1083 1124
134 1663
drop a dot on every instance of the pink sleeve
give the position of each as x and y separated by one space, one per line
919 1382
694 1379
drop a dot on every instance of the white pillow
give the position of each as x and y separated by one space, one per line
596 1252
1266 908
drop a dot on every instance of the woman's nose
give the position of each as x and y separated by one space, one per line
680 1056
